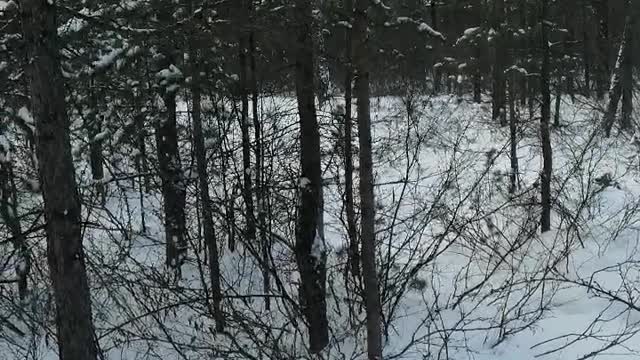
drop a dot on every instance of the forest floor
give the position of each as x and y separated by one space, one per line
465 273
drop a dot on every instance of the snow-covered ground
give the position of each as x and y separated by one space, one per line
464 271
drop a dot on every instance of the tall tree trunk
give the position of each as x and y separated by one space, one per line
247 190
352 231
499 64
203 184
95 141
170 167
545 136
367 202
513 134
621 83
265 243
75 331
173 187
141 158
310 248
437 71
586 54
556 114
9 215
627 72
603 46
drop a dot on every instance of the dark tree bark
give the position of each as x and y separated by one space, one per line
603 46
65 253
247 189
556 114
203 183
141 158
621 85
173 187
352 231
95 143
170 167
8 214
309 249
437 72
545 136
586 52
265 243
513 135
499 91
627 73
367 202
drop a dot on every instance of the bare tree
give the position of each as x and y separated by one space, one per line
352 232
499 91
76 338
245 126
170 167
367 201
203 180
621 85
310 247
545 118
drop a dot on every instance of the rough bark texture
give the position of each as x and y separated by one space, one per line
265 243
65 253
309 249
513 135
352 231
603 46
8 214
545 221
498 97
247 189
173 187
367 202
627 72
203 188
170 167
94 126
623 69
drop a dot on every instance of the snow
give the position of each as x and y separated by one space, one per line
210 143
318 248
25 115
101 136
21 266
304 182
5 149
423 27
471 31
487 290
107 59
73 25
117 136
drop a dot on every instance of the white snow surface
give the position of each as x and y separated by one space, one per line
484 284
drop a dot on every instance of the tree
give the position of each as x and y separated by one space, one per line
203 177
367 200
245 126
621 85
545 118
76 338
171 176
499 91
352 232
310 248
